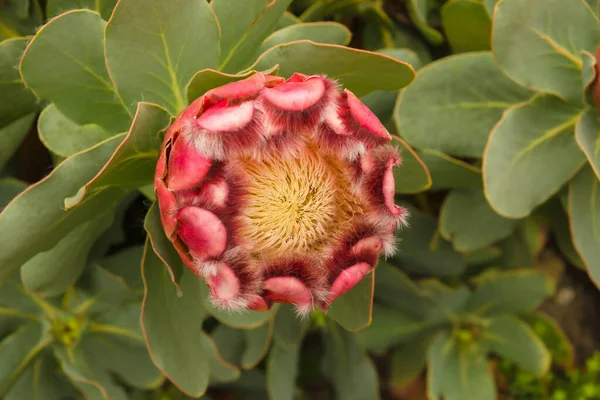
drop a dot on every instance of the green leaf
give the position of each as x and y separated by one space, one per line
16 101
347 366
69 70
64 137
115 304
9 189
282 371
587 135
126 263
124 357
448 172
258 341
93 382
247 319
520 171
12 135
464 113
559 224
133 163
207 79
423 251
154 47
553 337
17 351
289 328
231 343
588 72
538 43
22 237
220 370
393 287
458 373
244 28
287 19
407 55
52 272
390 327
39 381
353 68
353 309
489 6
445 303
511 338
467 25
102 7
412 176
172 325
506 292
408 360
19 18
584 216
419 10
470 223
319 32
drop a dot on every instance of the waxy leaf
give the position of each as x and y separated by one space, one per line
467 25
12 135
16 101
319 32
412 175
207 79
408 360
102 7
587 135
244 28
162 246
126 264
19 18
64 137
287 19
530 155
69 70
282 371
22 237
10 188
390 327
353 68
454 116
470 223
584 215
419 10
538 43
40 381
511 338
353 309
258 341
395 288
220 370
154 47
288 328
489 6
448 172
172 325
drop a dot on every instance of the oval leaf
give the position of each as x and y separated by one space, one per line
353 309
587 134
467 25
282 372
16 101
448 172
102 7
319 32
412 176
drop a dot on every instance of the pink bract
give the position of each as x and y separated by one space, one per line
277 190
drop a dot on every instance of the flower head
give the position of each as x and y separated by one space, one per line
278 190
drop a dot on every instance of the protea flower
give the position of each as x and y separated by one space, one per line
277 190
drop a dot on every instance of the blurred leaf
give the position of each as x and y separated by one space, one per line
553 336
376 37
318 32
64 137
506 292
353 309
220 370
390 327
353 68
412 175
347 366
231 343
9 189
52 272
423 252
587 135
406 55
69 70
102 7
16 101
489 6
409 359
17 351
419 10
484 255
393 287
94 382
282 371
12 135
584 216
19 18
458 373
538 42
467 25
464 114
172 325
126 263
124 357
448 172
244 28
22 237
287 19
520 171
152 49
559 222
511 338
258 341
40 381
113 298
133 163
470 223
445 302
289 328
